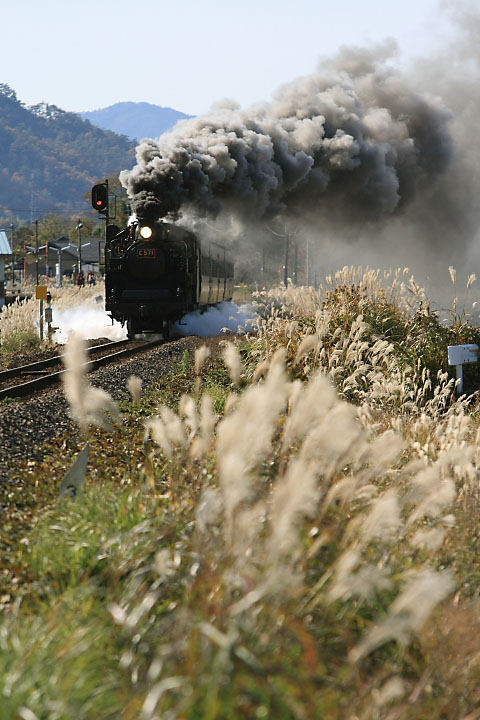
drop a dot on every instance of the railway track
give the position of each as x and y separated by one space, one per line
28 379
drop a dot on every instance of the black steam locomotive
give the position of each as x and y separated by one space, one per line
156 272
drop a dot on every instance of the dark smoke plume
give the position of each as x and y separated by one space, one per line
352 143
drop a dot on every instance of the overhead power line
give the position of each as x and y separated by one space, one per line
73 211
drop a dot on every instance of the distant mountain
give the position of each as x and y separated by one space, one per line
135 119
49 158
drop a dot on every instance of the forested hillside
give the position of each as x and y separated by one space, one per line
49 158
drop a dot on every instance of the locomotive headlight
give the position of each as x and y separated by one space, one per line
146 232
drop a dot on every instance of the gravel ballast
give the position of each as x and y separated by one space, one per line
26 425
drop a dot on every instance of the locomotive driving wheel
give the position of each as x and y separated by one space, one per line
132 329
165 329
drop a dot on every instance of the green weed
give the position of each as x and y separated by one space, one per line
20 342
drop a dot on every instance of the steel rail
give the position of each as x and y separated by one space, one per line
45 381
39 365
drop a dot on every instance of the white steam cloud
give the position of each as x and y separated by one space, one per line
87 322
215 320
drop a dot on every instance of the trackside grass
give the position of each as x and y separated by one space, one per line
19 332
288 529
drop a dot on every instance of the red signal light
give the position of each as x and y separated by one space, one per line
100 197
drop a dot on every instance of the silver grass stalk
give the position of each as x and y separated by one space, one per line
350 580
261 370
187 409
231 402
174 426
201 354
309 343
88 405
431 493
245 436
248 525
155 429
233 362
335 440
383 520
431 539
167 430
308 406
208 420
393 689
134 387
294 497
408 612
209 509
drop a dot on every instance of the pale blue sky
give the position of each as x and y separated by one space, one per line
90 54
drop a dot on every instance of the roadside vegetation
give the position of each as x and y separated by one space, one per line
19 322
288 529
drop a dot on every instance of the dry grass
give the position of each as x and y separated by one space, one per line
298 555
19 322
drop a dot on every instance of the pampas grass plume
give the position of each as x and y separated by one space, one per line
88 405
208 420
294 497
233 363
134 387
407 614
201 354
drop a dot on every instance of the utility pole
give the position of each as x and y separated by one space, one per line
285 267
307 262
36 248
12 227
79 228
107 221
107 216
295 262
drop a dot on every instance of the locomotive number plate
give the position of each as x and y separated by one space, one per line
147 253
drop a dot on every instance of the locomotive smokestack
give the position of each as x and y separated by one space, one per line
350 143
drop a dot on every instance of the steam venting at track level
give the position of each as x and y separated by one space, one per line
93 322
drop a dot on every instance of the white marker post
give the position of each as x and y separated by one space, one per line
48 315
41 294
460 355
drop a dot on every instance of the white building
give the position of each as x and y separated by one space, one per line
5 254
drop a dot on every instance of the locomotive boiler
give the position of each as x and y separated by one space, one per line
156 272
